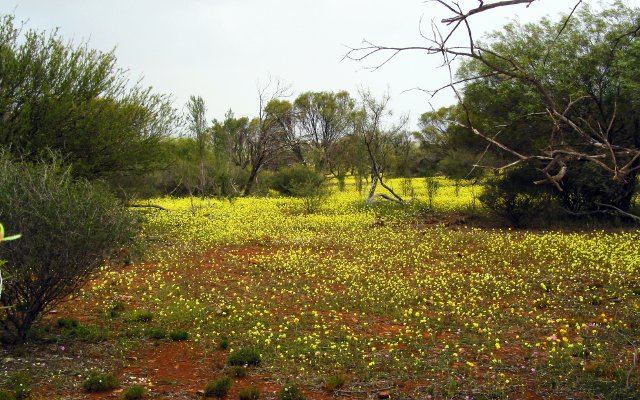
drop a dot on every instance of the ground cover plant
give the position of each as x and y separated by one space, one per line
403 299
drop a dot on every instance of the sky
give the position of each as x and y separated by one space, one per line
224 50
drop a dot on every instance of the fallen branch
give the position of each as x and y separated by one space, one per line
386 197
148 206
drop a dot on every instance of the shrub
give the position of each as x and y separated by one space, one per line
70 323
133 393
432 185
20 384
141 316
291 391
244 356
223 344
237 371
252 393
303 182
157 333
90 334
116 309
178 336
218 388
334 382
100 382
67 228
296 181
515 197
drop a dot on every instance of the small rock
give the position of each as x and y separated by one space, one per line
8 360
384 395
200 392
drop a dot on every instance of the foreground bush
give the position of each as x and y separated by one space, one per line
100 382
67 228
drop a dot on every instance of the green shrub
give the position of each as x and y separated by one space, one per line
252 393
84 333
433 186
157 333
515 197
334 382
223 344
178 336
100 382
68 323
7 395
116 309
134 393
245 356
19 384
296 181
303 182
291 391
237 371
67 226
141 316
90 334
218 388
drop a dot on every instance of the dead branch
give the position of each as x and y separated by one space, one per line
156 206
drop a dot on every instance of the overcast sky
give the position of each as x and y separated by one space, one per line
222 49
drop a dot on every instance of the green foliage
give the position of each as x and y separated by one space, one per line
250 393
334 382
6 394
77 101
245 356
178 336
297 181
19 384
432 185
116 309
291 391
218 388
586 71
223 344
86 333
157 333
68 323
68 227
141 316
135 392
100 382
237 371
513 197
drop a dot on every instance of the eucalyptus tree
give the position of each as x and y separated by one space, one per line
323 118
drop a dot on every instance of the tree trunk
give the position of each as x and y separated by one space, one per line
374 185
252 178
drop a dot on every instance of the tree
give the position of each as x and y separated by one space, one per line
264 139
75 100
372 126
323 118
574 82
197 123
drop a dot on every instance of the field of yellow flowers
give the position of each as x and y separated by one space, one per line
382 296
